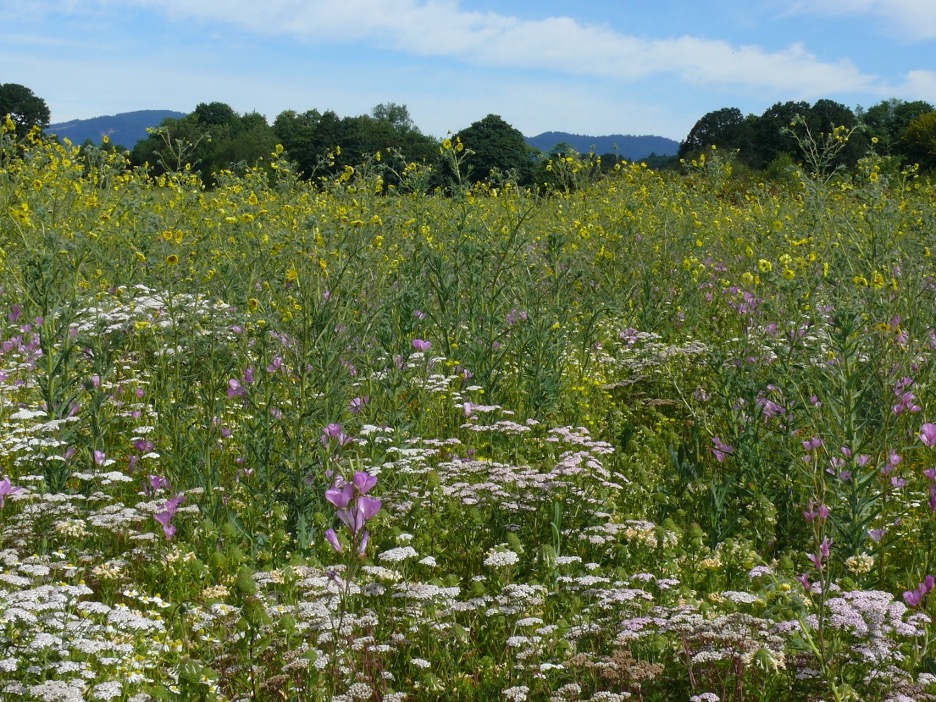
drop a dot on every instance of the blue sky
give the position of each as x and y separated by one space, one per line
602 67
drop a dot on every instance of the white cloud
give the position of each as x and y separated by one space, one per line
918 85
440 28
913 20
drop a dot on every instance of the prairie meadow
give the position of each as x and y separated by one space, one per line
635 436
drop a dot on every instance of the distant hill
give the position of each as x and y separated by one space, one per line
626 146
124 129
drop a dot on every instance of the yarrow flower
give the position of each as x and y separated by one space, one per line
501 559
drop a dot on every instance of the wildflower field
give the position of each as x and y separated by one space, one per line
642 437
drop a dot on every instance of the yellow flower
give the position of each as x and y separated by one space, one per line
140 257
873 177
765 265
172 259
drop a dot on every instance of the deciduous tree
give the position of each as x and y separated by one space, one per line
25 108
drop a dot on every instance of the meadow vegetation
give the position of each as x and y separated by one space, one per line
635 436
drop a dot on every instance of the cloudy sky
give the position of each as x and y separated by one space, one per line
584 66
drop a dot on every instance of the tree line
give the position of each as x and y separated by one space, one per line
905 131
214 137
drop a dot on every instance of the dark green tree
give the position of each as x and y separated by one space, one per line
770 134
24 107
725 128
214 114
397 116
825 116
497 148
309 136
210 139
888 120
919 141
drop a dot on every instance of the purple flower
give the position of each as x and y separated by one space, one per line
422 345
168 514
332 538
165 519
876 535
143 445
340 495
334 431
357 404
235 389
804 581
810 514
15 313
364 481
721 449
7 488
157 483
99 457
928 435
914 598
812 444
363 546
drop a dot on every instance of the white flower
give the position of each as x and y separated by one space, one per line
501 559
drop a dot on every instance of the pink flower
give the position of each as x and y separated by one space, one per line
421 345
364 481
168 514
332 538
7 488
340 495
928 435
721 449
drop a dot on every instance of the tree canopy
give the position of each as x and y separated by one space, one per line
24 107
496 147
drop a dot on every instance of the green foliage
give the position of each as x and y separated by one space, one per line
766 139
25 108
888 120
919 140
209 140
496 149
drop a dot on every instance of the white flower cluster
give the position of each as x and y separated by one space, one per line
501 559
